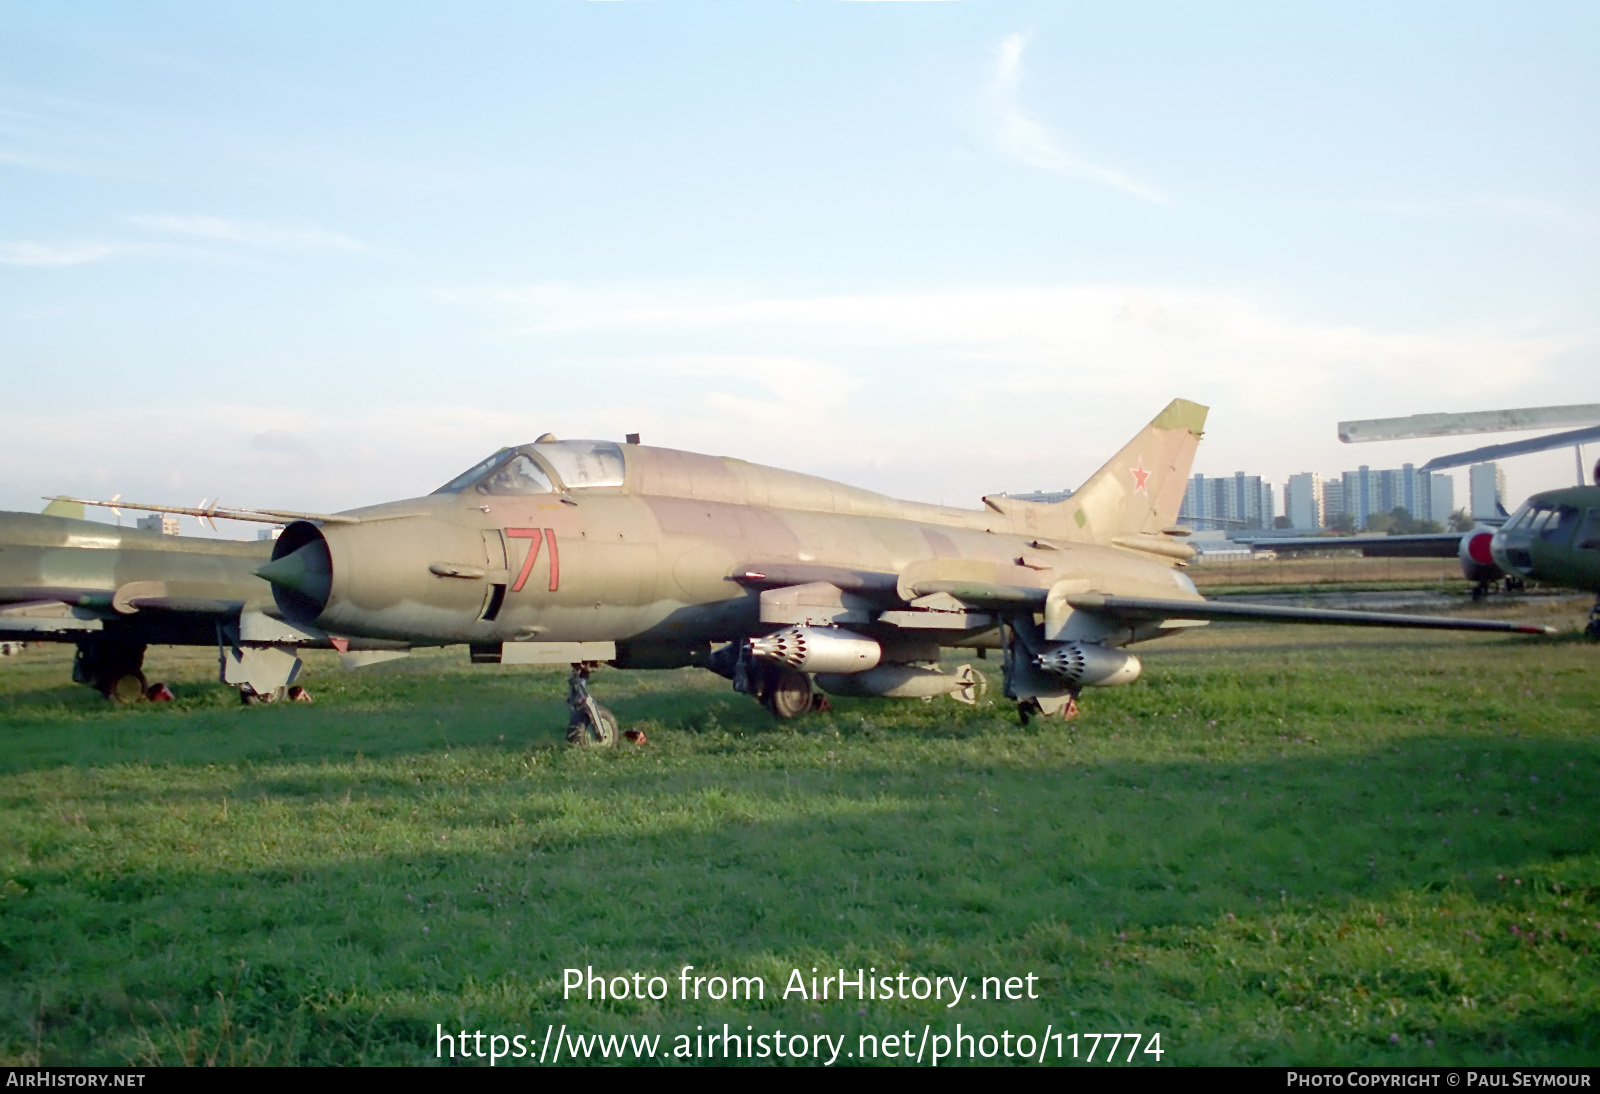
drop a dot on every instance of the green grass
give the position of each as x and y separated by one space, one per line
1282 845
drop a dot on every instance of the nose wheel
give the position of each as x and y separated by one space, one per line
589 725
1593 629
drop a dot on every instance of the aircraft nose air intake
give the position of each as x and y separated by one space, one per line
301 575
300 572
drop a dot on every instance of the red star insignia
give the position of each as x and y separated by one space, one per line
1140 475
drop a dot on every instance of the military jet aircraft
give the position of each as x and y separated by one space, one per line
115 591
588 552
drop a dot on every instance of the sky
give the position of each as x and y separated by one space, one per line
316 256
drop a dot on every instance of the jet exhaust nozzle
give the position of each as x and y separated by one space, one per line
1088 664
818 649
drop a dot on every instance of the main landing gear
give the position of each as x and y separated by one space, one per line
589 725
116 670
1593 629
1507 584
786 693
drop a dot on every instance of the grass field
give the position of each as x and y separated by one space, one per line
1285 844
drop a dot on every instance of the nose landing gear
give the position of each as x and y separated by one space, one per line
589 725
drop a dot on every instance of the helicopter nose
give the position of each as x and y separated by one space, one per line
1510 553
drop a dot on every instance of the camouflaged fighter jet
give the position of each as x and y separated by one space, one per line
115 591
583 552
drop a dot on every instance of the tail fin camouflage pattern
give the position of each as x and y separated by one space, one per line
1139 490
64 507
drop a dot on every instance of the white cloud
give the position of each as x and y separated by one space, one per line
249 232
28 253
999 379
1049 336
1030 142
940 396
1553 214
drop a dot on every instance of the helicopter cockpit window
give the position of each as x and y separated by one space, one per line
1518 519
583 464
518 475
1589 536
1559 526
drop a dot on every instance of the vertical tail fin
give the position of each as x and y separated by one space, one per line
1139 490
61 507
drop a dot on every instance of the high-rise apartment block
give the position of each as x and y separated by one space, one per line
1311 502
1486 487
1303 501
1236 502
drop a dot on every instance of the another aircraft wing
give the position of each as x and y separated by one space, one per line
1420 545
1152 608
212 512
126 599
1001 599
1514 448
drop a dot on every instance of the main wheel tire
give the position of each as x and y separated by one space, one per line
584 734
125 687
789 695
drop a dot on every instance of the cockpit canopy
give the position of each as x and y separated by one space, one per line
1541 520
544 467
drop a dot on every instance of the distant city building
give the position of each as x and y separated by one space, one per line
1303 501
1413 491
1361 494
1236 502
1441 498
165 523
1311 502
1332 500
1486 487
269 533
